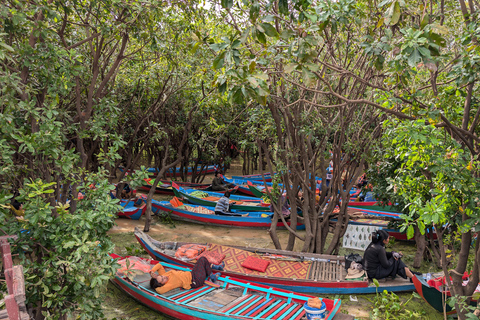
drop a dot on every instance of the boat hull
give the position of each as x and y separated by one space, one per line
254 220
256 301
296 285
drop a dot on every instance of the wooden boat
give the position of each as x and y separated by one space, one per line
130 211
299 272
165 186
206 215
175 172
432 291
258 177
232 299
242 203
243 185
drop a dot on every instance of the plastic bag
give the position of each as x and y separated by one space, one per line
353 257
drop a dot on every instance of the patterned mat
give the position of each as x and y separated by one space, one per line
373 222
277 268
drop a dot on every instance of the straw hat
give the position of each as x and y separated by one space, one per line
355 271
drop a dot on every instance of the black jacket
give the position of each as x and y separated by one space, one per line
375 256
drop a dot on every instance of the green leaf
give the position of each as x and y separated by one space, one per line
6 46
251 66
290 67
227 4
253 82
261 37
425 20
283 7
286 34
396 13
269 30
312 67
410 232
414 58
219 61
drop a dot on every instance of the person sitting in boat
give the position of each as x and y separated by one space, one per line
285 205
223 206
219 184
165 281
381 264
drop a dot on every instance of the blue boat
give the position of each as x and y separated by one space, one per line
231 298
206 215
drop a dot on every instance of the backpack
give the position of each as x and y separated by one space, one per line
353 257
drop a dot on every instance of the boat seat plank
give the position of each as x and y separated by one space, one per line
268 309
242 305
284 311
183 293
253 307
203 292
237 303
261 308
290 314
276 310
232 303
311 274
250 304
299 315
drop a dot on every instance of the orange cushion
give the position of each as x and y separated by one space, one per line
176 202
213 256
255 263
189 251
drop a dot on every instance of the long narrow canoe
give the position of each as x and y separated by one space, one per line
436 295
206 215
259 177
231 299
130 211
165 187
299 272
242 203
175 172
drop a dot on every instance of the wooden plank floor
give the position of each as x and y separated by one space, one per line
327 271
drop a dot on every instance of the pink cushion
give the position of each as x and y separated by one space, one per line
213 256
256 264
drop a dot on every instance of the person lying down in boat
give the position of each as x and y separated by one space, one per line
165 281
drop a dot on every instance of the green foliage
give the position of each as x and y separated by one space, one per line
387 306
434 177
69 251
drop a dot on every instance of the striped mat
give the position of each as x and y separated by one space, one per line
277 268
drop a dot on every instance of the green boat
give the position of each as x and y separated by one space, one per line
210 199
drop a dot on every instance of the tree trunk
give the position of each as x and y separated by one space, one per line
421 246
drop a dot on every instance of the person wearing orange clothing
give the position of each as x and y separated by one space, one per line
169 280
